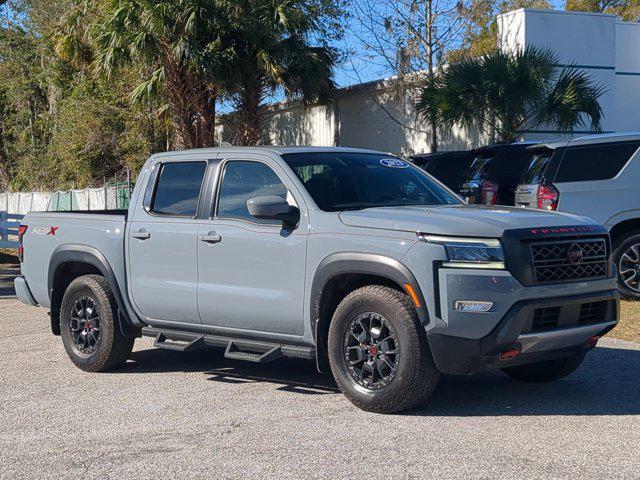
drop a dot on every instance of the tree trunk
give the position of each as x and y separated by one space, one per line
249 115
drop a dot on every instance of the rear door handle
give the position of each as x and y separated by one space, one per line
141 234
211 237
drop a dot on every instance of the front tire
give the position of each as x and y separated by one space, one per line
548 371
626 256
89 327
379 353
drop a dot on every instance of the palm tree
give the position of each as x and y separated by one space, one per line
174 41
507 93
269 52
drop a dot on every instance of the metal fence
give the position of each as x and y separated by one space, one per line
9 223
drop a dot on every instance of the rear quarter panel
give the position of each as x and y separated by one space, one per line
47 232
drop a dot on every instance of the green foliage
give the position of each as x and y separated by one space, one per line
508 92
480 29
268 50
627 10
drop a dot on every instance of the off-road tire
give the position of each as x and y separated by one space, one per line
416 375
621 245
545 371
113 348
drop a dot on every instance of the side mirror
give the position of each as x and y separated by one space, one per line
271 207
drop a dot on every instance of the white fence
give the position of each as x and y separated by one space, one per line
106 198
9 224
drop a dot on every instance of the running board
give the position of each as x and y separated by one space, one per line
234 352
241 349
187 346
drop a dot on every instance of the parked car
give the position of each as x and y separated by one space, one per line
448 167
493 176
353 258
597 176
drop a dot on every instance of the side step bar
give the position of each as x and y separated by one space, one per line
257 351
189 346
235 352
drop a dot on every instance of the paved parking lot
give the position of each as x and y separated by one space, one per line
168 415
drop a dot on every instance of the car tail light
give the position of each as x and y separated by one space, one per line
22 229
548 197
489 192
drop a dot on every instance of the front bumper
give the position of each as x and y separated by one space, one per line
513 333
23 292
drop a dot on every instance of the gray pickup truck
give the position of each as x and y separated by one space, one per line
352 258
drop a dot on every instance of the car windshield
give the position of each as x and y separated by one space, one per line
354 181
535 172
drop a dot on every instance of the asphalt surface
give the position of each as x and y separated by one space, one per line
196 415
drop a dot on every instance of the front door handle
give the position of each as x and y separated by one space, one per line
141 234
211 237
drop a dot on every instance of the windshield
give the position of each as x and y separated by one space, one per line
353 181
534 173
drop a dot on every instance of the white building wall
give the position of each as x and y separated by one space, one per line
598 43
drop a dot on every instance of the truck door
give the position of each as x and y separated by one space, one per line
251 272
162 243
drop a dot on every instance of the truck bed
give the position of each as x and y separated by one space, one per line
51 232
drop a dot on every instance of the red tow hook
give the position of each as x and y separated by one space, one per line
593 341
509 354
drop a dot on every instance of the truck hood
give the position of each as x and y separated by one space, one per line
463 220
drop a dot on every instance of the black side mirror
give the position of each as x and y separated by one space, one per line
271 207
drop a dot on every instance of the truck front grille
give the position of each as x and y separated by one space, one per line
572 260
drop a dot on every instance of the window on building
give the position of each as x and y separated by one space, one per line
594 162
242 181
178 188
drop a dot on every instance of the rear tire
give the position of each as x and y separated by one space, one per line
390 324
89 327
626 256
545 371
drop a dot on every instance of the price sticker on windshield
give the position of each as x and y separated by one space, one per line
394 163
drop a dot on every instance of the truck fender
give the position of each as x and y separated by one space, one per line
358 263
92 256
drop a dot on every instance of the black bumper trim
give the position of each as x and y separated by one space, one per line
457 355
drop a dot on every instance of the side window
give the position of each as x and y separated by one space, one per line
178 188
594 162
244 180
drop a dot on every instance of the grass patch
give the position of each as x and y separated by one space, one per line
629 326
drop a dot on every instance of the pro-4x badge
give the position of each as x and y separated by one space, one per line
45 230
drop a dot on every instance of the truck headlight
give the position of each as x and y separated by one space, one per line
465 252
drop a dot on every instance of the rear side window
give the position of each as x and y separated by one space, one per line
242 181
594 162
178 188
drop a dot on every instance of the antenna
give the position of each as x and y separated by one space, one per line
225 144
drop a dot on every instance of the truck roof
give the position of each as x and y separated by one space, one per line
280 149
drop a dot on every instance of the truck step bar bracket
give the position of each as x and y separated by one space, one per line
195 344
235 352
